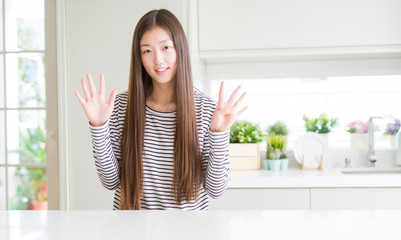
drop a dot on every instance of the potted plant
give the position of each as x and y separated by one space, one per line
359 134
275 158
245 137
32 180
391 130
321 124
40 203
278 129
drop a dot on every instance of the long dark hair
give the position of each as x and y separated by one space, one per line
187 177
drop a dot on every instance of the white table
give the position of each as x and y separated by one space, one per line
165 225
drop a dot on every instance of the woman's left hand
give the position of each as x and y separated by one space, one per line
226 111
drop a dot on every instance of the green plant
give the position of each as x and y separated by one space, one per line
278 128
321 124
245 132
274 154
275 147
277 142
32 179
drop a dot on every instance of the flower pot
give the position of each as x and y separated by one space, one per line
244 156
398 151
266 165
284 164
359 141
275 165
393 142
38 205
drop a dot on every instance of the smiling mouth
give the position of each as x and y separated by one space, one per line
161 70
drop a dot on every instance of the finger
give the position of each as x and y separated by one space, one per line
221 94
238 102
242 111
80 99
102 85
91 85
112 97
234 95
86 92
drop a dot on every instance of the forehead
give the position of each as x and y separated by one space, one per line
154 36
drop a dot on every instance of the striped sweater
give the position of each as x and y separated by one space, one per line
158 155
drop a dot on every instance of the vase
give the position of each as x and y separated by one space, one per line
284 164
38 205
325 137
359 141
266 164
275 165
393 141
398 149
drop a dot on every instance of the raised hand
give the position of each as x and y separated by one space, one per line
226 111
96 108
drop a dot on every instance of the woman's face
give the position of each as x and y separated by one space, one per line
158 55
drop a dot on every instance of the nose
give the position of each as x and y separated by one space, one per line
158 57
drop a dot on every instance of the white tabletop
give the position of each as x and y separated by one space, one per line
220 225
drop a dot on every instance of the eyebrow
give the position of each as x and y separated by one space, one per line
162 41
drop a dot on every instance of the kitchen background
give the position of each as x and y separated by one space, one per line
342 58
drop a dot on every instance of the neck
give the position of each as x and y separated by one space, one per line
162 97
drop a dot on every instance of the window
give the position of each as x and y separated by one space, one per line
346 98
23 109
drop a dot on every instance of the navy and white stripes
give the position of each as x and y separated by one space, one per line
158 155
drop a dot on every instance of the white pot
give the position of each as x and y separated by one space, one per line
359 141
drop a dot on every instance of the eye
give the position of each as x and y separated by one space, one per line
146 51
167 47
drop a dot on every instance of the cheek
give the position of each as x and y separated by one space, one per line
173 58
146 63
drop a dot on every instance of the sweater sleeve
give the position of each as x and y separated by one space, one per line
217 170
106 150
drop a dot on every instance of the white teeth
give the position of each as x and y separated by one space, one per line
160 69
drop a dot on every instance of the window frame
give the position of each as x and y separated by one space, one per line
51 107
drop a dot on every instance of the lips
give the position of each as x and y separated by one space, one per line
161 70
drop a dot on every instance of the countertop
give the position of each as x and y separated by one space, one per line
297 178
99 225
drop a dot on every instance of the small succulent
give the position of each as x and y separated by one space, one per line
274 154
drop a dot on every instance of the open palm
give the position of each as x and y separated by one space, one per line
96 108
226 111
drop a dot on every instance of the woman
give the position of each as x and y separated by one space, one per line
162 144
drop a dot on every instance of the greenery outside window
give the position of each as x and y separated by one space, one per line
23 162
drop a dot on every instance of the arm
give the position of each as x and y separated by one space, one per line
217 170
98 112
106 150
225 113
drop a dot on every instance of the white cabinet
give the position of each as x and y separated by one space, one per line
308 199
292 27
355 198
262 199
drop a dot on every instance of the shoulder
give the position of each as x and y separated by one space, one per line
120 106
121 101
122 97
202 99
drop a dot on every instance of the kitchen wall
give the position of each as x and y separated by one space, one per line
98 35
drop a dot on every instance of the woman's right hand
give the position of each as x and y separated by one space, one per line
96 108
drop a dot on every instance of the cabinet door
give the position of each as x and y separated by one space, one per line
234 25
262 199
355 198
